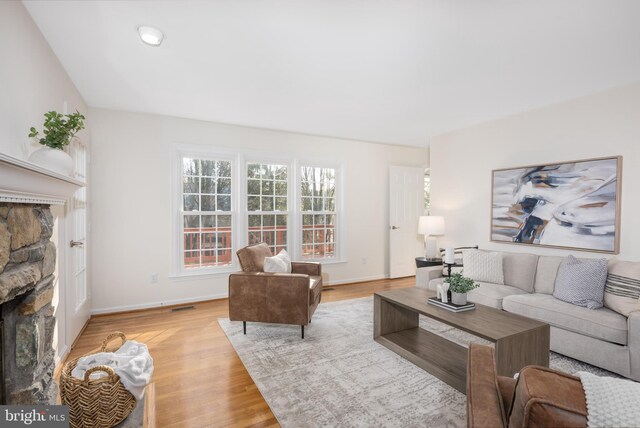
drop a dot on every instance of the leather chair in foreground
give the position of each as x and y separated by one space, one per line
280 298
541 397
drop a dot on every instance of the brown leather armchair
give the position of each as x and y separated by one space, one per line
541 397
280 298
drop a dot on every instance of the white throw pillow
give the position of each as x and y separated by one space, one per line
285 256
483 266
278 264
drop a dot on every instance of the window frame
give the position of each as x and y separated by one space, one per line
340 249
178 269
245 213
240 159
427 205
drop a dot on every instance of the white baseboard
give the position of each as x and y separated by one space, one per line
350 280
100 311
60 356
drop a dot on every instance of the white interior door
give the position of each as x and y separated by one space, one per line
406 202
77 296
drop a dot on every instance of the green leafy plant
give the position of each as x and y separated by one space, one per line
460 284
59 129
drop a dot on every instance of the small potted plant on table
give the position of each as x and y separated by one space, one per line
59 130
459 286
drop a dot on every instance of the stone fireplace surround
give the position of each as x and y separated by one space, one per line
27 264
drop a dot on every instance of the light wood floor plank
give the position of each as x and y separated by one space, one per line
199 379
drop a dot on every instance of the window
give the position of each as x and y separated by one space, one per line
223 200
318 208
427 194
207 218
267 205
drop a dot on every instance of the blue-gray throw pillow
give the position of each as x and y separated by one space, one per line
581 282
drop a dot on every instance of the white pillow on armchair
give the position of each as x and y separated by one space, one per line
278 264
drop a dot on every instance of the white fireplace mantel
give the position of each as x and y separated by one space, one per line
23 182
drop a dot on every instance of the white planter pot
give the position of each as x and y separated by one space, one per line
459 298
53 159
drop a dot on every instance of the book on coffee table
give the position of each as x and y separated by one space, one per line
450 306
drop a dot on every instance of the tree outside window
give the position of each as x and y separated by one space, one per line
206 213
214 216
267 205
427 194
318 206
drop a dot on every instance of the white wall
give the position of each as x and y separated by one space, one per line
131 228
604 124
32 80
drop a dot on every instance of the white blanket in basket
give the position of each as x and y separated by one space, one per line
131 362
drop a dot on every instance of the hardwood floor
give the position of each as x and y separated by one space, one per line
199 379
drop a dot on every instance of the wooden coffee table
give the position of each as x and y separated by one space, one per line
519 341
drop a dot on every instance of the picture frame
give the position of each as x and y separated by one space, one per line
572 205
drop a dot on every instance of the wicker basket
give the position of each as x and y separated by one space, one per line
98 403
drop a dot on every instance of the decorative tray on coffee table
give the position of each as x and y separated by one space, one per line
450 306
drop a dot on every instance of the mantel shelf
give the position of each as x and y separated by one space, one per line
23 182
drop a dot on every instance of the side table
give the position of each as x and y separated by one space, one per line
427 262
427 269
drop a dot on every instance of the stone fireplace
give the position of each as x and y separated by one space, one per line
27 264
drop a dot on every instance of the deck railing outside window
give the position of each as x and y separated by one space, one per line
214 245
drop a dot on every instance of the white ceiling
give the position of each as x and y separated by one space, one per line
392 71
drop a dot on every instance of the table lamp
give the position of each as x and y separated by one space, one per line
430 226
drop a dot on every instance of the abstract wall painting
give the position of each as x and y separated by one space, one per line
573 205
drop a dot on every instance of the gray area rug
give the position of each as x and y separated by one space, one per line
338 376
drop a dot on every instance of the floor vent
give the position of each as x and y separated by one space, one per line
328 288
183 308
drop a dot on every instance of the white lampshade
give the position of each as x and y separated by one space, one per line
431 225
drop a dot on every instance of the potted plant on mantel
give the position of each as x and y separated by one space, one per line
59 130
459 286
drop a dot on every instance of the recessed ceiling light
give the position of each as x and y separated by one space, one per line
150 35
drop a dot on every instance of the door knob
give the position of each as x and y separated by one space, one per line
394 227
74 244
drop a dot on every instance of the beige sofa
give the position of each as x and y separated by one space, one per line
600 337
